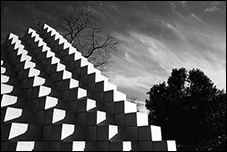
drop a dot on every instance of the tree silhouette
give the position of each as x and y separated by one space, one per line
190 109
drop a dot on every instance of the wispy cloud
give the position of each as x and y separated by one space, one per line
215 7
155 37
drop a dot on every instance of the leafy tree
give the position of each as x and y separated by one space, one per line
190 110
82 30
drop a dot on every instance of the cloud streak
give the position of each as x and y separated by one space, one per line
154 37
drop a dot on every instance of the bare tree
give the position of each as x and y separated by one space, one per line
80 28
36 18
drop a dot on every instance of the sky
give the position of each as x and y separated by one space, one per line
154 38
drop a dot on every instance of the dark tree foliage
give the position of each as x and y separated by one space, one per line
190 110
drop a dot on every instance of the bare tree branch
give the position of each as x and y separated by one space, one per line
79 28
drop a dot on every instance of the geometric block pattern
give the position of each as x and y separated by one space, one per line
52 98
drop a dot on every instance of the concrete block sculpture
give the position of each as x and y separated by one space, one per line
52 98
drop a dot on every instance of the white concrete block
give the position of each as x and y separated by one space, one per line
53 32
44 91
45 48
62 40
101 116
38 81
17 129
4 78
57 36
25 57
127 146
119 96
21 50
49 54
29 64
91 68
17 44
142 119
81 93
5 88
156 134
50 102
58 115
109 86
11 35
66 75
54 60
77 56
41 43
37 38
84 61
78 145
30 30
8 100
129 107
73 83
113 130
66 45
25 146
47 27
72 50
12 113
99 77
171 145
90 104
60 67
33 72
67 130
3 70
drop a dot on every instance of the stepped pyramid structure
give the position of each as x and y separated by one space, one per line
52 98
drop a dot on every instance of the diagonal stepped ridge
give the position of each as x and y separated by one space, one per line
54 99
